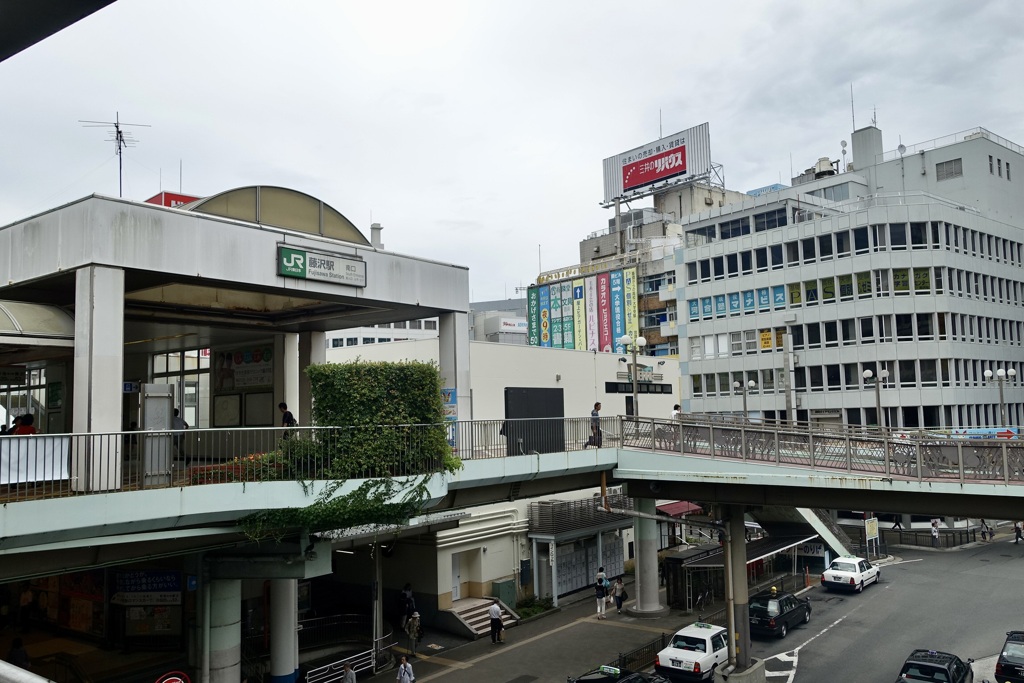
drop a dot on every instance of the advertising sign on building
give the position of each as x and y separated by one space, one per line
533 315
618 311
555 293
604 313
568 317
679 157
13 376
545 316
629 292
579 313
591 298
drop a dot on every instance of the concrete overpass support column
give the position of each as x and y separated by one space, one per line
284 644
453 356
312 351
225 631
290 377
738 570
99 369
645 536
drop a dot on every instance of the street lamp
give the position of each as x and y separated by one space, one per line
634 346
749 386
1001 376
882 376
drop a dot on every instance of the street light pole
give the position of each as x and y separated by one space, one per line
882 374
1001 376
634 345
744 388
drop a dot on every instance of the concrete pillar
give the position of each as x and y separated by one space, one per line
453 357
99 369
284 622
290 377
645 539
738 569
312 351
225 631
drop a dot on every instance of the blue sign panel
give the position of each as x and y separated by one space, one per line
705 305
748 300
618 311
779 296
734 302
764 298
720 304
694 309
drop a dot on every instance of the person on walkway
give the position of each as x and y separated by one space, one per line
898 524
494 612
677 412
349 673
287 419
412 629
405 674
601 591
935 534
24 425
619 593
595 426
1017 534
986 531
18 656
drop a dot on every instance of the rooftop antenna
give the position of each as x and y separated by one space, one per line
660 134
120 138
853 117
874 116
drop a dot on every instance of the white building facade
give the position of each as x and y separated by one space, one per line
906 268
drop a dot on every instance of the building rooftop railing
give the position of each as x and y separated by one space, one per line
947 140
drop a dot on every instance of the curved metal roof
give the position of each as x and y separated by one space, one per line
19 319
282 208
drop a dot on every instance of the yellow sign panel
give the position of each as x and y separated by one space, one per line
766 339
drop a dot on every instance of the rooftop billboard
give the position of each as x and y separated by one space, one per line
681 156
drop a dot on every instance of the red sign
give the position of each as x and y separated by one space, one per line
654 168
604 313
173 677
171 199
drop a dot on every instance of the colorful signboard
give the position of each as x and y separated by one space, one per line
533 316
618 311
579 313
556 316
629 294
592 334
592 313
568 315
545 316
604 313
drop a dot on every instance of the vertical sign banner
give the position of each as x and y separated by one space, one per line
568 338
533 316
719 304
694 309
748 300
618 311
591 299
631 303
764 298
779 296
734 303
579 314
604 313
556 316
707 310
545 316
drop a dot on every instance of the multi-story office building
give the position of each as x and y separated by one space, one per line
903 268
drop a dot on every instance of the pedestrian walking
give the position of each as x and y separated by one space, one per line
601 586
595 426
405 674
677 412
412 629
494 612
986 531
935 534
898 524
619 593
1017 533
349 674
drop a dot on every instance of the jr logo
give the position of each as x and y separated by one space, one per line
292 262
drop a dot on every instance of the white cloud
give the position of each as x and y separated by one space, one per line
474 132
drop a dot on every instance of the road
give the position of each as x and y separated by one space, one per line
961 601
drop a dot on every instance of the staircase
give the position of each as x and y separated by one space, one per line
472 613
828 530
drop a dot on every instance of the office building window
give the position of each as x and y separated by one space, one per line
991 170
351 341
430 324
1007 170
734 228
337 343
415 324
999 165
769 220
945 170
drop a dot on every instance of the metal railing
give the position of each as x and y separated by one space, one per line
47 466
366 660
915 456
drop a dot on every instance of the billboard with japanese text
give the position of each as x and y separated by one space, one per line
678 158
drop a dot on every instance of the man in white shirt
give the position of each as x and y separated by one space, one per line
676 412
494 612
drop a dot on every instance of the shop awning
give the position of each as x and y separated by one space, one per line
680 508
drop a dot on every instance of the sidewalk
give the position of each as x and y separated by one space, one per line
565 643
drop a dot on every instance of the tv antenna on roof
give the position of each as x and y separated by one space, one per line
120 138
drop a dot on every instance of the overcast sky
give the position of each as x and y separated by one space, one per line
474 131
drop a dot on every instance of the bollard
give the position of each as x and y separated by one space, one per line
807 577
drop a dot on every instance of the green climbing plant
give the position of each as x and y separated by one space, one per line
382 422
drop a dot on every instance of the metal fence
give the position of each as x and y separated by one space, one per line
46 466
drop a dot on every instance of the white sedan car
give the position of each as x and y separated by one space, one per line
694 653
850 573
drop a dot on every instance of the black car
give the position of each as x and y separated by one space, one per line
1010 665
612 674
931 665
775 613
